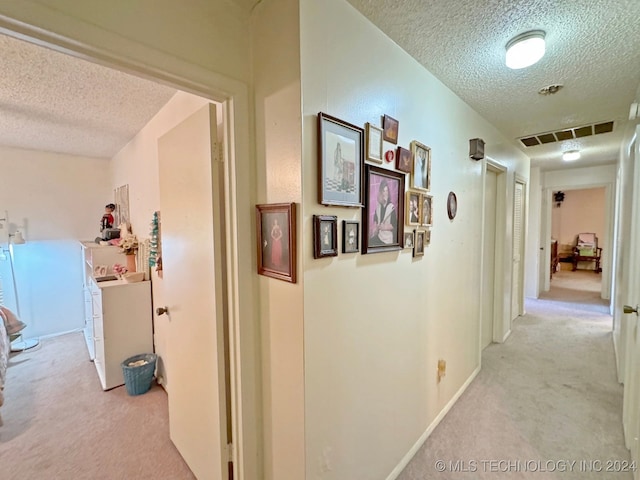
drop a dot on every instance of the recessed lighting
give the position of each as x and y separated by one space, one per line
525 49
571 155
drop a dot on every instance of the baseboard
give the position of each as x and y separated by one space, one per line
412 452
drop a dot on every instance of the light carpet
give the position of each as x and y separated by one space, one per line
60 425
546 403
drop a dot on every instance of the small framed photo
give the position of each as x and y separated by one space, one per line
408 240
418 249
403 160
421 171
427 238
276 235
390 129
325 236
340 162
413 205
374 143
426 214
383 216
350 236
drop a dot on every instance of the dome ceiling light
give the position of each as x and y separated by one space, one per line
525 49
571 155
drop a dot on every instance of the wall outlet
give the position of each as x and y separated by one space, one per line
442 369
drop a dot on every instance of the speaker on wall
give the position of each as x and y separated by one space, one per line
476 148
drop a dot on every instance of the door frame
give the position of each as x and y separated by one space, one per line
523 247
489 164
233 97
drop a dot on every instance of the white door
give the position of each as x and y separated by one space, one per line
489 256
193 274
630 295
518 251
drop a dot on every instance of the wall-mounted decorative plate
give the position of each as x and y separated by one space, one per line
452 205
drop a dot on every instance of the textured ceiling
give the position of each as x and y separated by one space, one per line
53 102
593 49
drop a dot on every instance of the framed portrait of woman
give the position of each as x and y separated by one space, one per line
325 236
383 216
276 238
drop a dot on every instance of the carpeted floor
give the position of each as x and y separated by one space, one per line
60 425
546 403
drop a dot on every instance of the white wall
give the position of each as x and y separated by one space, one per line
276 60
58 199
375 325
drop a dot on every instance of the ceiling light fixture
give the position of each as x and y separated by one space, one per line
525 49
571 155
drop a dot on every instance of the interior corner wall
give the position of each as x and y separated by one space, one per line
376 325
278 133
55 199
136 165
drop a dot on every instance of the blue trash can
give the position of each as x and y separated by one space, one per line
138 378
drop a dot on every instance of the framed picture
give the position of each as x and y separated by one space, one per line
383 217
276 235
325 236
427 238
414 207
452 205
374 143
390 129
340 162
350 236
403 160
418 249
426 213
421 172
408 240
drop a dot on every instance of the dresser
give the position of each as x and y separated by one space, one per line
118 315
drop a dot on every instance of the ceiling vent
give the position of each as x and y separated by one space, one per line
567 134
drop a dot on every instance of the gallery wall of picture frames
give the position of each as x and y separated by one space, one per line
352 173
363 168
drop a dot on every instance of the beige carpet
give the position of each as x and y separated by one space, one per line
546 398
60 425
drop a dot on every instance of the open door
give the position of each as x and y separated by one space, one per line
193 284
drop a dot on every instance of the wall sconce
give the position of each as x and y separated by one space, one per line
476 148
559 198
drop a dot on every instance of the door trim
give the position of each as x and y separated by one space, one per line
490 164
234 99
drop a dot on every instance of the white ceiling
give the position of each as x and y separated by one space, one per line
51 101
593 49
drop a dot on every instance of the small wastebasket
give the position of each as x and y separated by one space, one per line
138 373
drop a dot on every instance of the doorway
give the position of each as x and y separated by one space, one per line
235 198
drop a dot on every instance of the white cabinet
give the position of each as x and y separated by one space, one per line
93 256
121 314
118 316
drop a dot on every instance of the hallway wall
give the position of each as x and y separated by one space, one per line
375 325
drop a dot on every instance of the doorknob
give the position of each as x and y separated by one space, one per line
630 309
162 310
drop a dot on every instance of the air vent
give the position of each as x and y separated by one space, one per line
566 134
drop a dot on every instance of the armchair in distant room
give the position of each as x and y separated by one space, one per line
587 250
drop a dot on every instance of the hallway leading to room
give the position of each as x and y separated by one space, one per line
546 403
